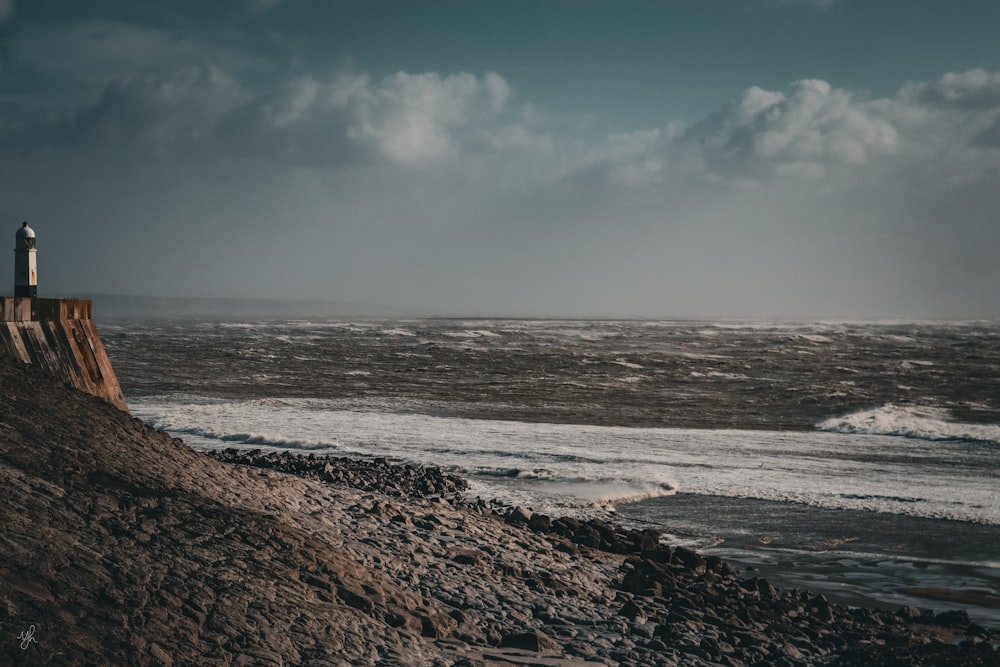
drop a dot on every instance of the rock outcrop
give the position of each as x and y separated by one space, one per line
121 545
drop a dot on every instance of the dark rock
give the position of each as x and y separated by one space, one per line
519 515
529 641
958 618
762 587
399 618
437 626
976 630
643 578
660 554
540 523
587 536
123 546
566 526
369 475
355 597
468 557
656 645
692 561
633 612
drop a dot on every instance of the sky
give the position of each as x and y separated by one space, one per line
627 158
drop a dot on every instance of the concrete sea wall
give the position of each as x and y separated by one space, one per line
59 336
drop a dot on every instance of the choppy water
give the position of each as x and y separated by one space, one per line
871 447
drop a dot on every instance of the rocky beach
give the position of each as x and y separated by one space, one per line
122 545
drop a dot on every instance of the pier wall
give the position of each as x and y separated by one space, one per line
59 336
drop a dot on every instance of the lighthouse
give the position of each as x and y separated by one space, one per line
56 335
25 264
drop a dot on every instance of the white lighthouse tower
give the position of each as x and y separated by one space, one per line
25 264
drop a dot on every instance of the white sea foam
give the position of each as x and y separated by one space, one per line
814 338
470 333
924 423
910 363
547 466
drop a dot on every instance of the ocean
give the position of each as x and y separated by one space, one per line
860 460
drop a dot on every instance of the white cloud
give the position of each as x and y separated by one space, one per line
405 118
950 126
194 111
946 128
518 138
409 117
806 130
933 134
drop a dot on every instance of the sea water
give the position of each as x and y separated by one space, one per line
859 459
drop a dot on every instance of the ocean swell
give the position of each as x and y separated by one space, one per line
923 423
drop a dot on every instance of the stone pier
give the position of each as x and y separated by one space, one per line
59 336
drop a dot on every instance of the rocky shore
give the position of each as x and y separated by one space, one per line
121 545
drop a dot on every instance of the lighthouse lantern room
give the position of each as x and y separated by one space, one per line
25 264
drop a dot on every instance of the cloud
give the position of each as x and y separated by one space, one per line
160 116
447 190
807 130
933 132
403 119
989 137
407 119
85 57
7 10
974 90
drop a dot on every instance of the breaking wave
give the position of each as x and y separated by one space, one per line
922 423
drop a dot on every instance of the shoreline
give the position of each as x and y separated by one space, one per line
123 545
850 555
838 566
648 544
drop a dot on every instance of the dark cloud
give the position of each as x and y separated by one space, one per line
989 137
158 115
974 90
7 10
447 191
